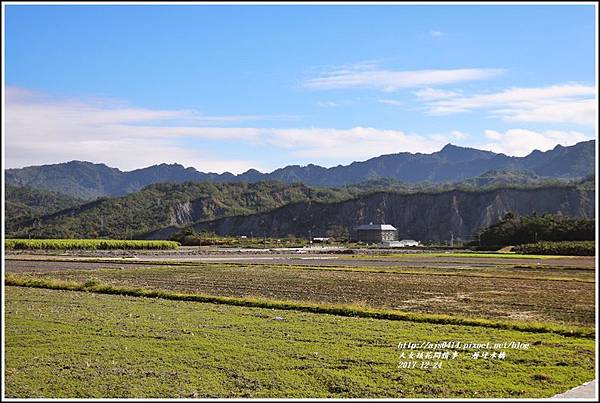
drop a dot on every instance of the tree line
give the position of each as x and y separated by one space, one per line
515 229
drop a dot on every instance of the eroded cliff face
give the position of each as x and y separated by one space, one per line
182 214
419 216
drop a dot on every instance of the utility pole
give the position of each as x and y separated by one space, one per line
452 239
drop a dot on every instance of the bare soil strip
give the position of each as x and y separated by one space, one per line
420 260
562 302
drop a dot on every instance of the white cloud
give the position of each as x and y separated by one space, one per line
459 135
337 103
521 142
565 103
394 102
493 135
372 77
433 93
436 34
583 112
328 104
43 129
357 143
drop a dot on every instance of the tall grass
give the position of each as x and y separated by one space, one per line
90 244
340 310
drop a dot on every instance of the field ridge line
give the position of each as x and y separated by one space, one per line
340 310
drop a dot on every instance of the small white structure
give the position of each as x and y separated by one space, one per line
409 242
401 244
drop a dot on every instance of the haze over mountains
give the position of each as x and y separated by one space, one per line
451 164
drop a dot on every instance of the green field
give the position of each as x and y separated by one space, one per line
80 344
112 327
89 244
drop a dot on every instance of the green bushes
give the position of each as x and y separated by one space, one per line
90 244
573 248
515 230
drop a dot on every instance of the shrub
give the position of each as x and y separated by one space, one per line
515 230
575 248
90 244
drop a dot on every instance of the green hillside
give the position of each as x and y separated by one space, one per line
25 203
167 204
42 214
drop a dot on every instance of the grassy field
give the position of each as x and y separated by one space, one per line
106 327
95 286
78 344
90 244
505 293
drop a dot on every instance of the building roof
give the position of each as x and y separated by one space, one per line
371 226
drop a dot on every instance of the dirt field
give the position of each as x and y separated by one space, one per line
548 290
408 260
325 257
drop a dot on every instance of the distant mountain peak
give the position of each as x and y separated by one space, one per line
452 163
449 147
84 163
252 171
461 154
166 165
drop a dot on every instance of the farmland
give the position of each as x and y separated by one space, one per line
492 293
133 347
275 324
62 244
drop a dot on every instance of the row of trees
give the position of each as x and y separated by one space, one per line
515 230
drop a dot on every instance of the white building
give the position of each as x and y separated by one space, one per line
402 243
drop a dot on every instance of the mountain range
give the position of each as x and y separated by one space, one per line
86 180
156 206
436 217
162 210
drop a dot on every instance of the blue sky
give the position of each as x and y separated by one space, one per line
233 87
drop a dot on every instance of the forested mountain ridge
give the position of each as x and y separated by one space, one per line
451 164
177 205
166 204
433 216
24 203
